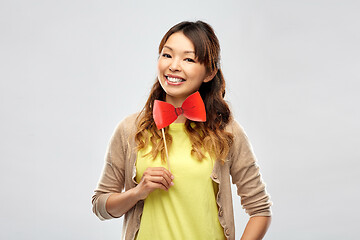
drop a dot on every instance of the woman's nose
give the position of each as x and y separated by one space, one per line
175 66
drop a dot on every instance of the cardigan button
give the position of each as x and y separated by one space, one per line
227 232
214 176
220 213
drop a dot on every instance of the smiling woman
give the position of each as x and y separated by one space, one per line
193 199
179 71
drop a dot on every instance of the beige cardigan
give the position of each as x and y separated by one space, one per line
120 171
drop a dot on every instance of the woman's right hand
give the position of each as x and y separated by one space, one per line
154 178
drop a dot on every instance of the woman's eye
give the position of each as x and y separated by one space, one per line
189 60
166 55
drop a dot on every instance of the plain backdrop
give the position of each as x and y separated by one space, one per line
71 70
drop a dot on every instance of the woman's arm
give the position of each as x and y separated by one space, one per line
246 175
119 203
256 228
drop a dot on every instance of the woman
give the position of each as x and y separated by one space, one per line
186 195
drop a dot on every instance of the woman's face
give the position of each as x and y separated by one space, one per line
179 72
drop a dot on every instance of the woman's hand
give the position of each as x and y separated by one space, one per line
154 178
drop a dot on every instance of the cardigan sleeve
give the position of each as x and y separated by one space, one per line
112 178
246 175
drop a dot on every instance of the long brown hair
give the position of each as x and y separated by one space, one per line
210 135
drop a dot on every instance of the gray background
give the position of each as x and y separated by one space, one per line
71 70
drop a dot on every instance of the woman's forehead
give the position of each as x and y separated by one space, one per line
180 43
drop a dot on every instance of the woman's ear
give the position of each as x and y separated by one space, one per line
210 76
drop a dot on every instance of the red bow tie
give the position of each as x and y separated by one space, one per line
193 108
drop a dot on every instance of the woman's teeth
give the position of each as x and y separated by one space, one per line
174 80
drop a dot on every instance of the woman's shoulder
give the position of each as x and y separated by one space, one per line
235 127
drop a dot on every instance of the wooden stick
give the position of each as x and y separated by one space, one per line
166 151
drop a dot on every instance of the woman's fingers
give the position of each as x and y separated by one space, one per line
159 175
160 171
155 185
160 180
154 178
162 175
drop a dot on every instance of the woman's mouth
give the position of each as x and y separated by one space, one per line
174 80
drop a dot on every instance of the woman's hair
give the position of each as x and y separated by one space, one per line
210 135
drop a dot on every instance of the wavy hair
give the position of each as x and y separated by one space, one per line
210 135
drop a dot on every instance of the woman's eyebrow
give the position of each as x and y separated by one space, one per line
184 51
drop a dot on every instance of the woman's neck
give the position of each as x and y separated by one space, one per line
176 102
181 119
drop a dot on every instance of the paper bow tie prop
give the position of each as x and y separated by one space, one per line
193 108
164 114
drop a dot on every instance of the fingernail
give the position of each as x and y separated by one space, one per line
172 176
171 183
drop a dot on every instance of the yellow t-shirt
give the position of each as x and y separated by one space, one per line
188 210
